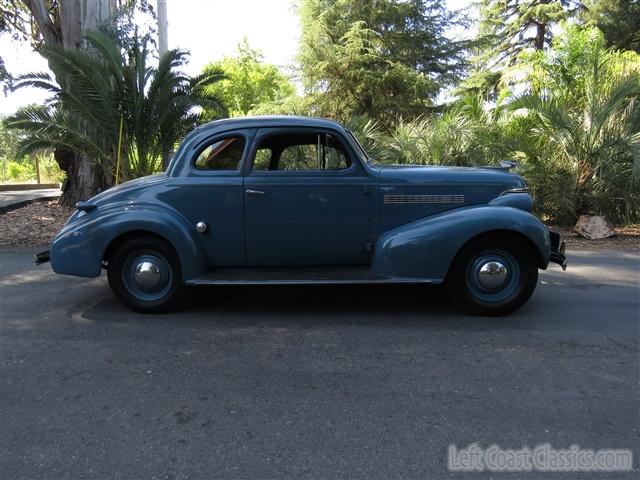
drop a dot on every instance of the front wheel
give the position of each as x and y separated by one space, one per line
493 275
144 274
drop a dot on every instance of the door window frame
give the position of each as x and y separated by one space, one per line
355 169
198 148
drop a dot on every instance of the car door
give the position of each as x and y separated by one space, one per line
308 200
212 194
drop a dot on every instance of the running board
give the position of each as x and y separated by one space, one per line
300 276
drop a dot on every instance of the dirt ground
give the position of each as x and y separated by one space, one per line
627 237
32 225
37 223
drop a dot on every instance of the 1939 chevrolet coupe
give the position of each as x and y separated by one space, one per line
288 200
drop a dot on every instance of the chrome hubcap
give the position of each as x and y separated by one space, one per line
492 275
147 275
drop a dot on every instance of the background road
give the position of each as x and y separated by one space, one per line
322 382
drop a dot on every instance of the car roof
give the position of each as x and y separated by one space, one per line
269 121
264 121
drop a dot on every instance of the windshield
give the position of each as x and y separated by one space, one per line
359 148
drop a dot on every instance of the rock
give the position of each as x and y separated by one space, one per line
594 227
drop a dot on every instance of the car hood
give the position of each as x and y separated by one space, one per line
451 176
129 190
408 193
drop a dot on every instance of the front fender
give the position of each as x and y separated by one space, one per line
79 248
425 248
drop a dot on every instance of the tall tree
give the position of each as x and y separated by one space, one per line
510 26
60 24
112 106
248 81
619 20
380 59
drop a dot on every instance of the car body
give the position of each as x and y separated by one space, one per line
283 199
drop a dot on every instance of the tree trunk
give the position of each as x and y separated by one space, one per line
163 46
76 17
48 29
64 26
167 155
163 41
541 32
82 182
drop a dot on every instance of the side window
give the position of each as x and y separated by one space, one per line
263 159
298 157
303 151
333 156
221 154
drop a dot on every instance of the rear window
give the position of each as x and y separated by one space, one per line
221 154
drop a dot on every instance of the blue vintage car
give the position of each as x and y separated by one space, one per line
289 200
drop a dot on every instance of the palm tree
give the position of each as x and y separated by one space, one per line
114 108
589 120
162 104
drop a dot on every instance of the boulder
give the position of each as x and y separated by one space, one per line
594 227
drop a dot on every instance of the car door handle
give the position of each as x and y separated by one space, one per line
255 192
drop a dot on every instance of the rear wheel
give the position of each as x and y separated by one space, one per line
145 275
493 275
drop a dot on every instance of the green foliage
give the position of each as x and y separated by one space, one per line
468 133
49 170
20 172
8 144
25 171
584 109
10 162
290 105
619 20
575 132
382 60
546 173
370 135
248 82
21 168
107 86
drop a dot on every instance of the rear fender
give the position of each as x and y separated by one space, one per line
426 248
80 247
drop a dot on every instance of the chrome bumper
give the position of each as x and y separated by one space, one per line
558 247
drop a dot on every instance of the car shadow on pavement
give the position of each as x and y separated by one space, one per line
307 307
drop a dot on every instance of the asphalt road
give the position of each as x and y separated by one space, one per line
314 382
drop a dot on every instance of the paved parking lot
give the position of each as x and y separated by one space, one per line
316 382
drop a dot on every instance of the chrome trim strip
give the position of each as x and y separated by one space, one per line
515 190
402 199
